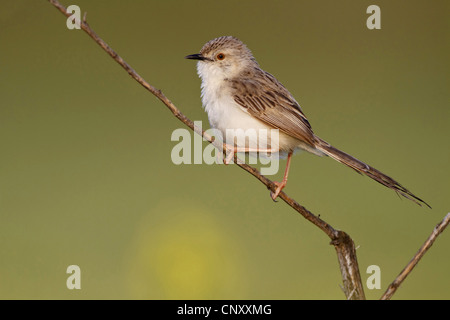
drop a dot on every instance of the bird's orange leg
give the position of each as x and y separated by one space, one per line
282 184
231 151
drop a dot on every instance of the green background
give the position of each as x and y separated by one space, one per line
86 176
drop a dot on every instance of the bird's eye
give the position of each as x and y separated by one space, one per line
220 56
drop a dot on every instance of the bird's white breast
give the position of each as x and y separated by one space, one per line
231 119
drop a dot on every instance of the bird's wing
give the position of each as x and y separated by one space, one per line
265 98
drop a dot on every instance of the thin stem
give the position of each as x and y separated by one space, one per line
410 266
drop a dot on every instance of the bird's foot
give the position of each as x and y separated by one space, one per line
280 186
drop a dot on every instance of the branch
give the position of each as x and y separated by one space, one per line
346 252
410 266
342 242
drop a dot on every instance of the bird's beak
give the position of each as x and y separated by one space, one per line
196 56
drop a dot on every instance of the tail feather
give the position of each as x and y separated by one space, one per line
367 170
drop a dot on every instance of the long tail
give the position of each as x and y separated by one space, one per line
367 170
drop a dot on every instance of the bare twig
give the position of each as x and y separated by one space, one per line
410 266
346 252
343 243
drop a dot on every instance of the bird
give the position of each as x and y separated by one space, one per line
237 94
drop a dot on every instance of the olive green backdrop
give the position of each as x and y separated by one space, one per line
86 176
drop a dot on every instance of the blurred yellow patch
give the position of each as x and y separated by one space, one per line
182 252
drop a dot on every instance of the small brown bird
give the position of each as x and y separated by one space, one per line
238 94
